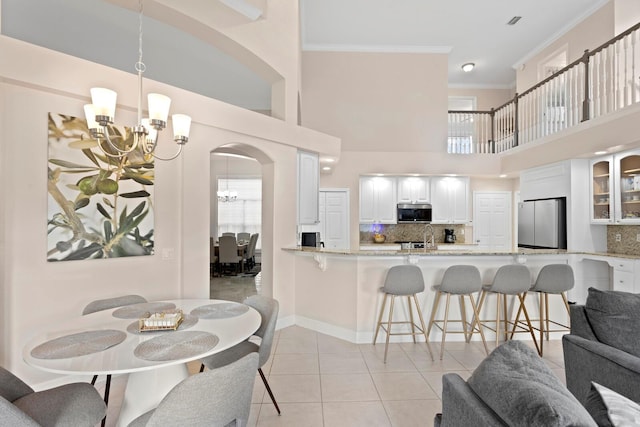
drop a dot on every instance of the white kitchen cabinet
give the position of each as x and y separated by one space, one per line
377 200
602 190
308 188
627 187
623 275
615 189
450 200
414 189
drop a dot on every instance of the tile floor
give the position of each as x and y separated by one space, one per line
319 380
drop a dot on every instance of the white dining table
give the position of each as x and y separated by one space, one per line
109 342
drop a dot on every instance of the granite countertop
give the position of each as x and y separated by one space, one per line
441 250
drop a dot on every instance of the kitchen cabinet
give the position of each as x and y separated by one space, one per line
377 200
414 189
627 182
623 275
450 200
615 189
602 190
308 188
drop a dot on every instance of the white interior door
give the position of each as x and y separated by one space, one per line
334 218
492 220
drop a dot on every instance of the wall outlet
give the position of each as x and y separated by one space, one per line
167 253
618 237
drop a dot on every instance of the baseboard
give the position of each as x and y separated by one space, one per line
367 337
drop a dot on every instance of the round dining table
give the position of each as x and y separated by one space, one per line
110 342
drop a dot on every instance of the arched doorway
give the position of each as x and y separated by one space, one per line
236 204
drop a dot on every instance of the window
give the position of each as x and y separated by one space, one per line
245 213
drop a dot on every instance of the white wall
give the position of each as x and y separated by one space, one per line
38 293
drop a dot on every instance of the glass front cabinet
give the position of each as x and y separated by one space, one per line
627 178
601 191
615 189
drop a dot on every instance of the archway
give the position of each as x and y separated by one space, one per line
239 161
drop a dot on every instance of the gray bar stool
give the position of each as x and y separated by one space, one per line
553 279
402 280
514 280
461 280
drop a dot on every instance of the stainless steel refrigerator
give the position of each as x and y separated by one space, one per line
542 224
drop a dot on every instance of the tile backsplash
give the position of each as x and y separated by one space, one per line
628 244
408 232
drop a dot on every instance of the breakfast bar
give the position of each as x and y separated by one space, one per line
340 293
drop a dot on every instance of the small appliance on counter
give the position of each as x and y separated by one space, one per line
449 235
404 245
311 239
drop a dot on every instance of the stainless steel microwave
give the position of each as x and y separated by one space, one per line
414 213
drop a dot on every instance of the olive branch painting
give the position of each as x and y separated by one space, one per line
100 203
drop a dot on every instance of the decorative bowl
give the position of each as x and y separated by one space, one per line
379 238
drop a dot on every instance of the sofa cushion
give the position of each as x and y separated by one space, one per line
517 384
610 409
614 318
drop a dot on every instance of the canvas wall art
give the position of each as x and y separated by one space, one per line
100 200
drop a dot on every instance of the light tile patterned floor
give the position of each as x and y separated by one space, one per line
320 380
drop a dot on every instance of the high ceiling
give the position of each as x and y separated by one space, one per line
468 30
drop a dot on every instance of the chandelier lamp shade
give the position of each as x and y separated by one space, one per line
101 113
227 195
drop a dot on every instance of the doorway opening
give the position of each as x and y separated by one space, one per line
235 210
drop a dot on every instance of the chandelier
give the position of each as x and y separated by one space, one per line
227 195
101 112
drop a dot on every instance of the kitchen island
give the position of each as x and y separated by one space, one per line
338 291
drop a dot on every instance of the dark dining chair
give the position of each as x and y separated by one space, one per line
106 304
213 258
75 404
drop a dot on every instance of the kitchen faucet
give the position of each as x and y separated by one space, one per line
428 229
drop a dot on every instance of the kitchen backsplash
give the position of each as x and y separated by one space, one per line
628 244
408 232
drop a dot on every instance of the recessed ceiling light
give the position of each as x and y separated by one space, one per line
468 67
328 159
514 20
504 175
599 153
326 168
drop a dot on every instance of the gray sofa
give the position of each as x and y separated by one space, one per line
513 386
604 344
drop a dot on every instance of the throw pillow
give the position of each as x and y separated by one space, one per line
615 319
518 385
610 409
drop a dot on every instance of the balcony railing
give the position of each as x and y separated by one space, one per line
602 81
